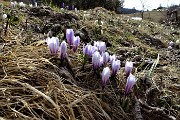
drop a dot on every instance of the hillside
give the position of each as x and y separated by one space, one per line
35 84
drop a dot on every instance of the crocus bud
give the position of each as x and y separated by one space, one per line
105 57
111 58
72 7
128 68
62 5
53 44
63 50
131 80
76 43
95 60
115 67
67 7
87 50
70 37
102 46
105 76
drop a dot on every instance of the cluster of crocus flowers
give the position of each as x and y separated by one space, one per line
72 40
100 58
53 45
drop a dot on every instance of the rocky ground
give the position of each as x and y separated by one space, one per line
37 85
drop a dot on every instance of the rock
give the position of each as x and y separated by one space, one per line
136 58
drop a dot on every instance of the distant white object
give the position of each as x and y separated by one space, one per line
177 42
15 3
169 47
136 18
36 4
21 4
30 5
4 16
75 9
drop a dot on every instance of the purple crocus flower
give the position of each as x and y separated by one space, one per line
105 76
53 44
105 57
111 58
95 60
87 50
102 46
115 67
76 43
131 80
62 5
67 7
128 68
72 7
63 50
70 37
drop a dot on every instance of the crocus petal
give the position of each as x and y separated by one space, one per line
96 44
102 46
131 80
94 49
115 66
105 57
63 50
100 61
105 76
95 60
111 58
128 67
70 37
